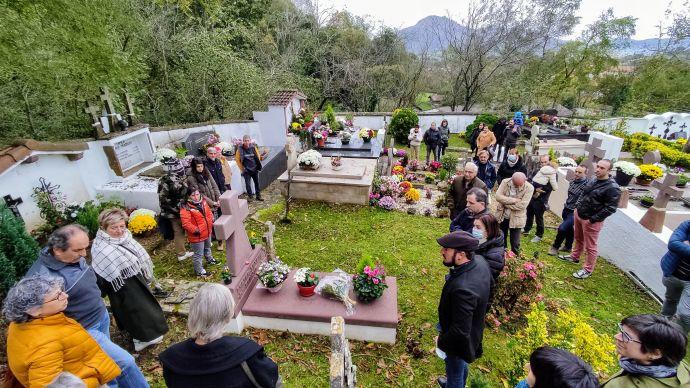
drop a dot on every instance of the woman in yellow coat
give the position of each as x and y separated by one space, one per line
42 342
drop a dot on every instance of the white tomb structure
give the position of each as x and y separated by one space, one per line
659 125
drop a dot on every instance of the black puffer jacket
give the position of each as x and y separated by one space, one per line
493 251
505 170
599 200
462 309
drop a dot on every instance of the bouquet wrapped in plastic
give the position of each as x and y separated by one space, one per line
337 286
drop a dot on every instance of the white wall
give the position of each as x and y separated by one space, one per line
643 124
456 122
226 131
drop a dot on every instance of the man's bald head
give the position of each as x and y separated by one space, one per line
519 179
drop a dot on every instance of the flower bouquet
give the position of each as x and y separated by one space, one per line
165 155
366 134
398 170
413 165
272 274
412 195
387 202
405 186
625 172
309 160
337 286
336 163
370 282
306 280
434 166
565 161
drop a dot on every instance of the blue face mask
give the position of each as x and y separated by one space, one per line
512 158
478 233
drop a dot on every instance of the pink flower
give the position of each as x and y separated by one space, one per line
540 297
375 280
533 274
522 276
529 266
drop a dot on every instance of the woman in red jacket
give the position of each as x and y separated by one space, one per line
197 221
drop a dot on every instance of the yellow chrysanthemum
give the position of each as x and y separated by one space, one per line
142 223
412 195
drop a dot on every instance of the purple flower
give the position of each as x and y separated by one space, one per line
387 202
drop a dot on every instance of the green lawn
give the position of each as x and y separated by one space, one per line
325 237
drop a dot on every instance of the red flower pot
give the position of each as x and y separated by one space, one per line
321 142
306 291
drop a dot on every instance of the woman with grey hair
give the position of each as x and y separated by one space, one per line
209 359
42 342
124 270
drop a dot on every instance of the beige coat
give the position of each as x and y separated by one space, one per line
485 139
517 204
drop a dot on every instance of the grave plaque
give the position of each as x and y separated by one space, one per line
128 153
195 140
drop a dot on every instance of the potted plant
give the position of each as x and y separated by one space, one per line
345 137
336 163
647 201
254 240
306 280
366 134
320 141
648 172
682 180
226 275
369 282
272 274
412 195
625 172
309 160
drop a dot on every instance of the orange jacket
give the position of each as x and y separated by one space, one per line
40 349
195 221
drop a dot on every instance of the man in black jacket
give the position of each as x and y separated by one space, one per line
476 207
214 166
462 307
598 200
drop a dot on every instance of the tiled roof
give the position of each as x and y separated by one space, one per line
283 97
22 149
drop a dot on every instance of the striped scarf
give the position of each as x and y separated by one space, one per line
117 259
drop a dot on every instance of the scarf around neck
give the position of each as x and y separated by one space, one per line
118 259
657 371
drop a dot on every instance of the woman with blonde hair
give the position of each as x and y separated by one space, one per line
124 271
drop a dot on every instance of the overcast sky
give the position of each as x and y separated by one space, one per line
405 13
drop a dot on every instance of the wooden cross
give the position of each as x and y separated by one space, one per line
667 190
109 107
594 150
389 167
129 104
13 204
230 227
93 111
268 239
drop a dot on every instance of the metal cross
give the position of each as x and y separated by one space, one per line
668 126
651 129
12 204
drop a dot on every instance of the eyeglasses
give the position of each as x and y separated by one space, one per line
61 295
627 337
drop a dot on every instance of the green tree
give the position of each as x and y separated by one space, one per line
659 84
18 250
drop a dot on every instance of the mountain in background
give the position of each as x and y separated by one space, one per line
416 37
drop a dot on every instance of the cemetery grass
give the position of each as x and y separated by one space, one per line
326 236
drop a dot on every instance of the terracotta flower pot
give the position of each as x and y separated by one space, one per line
306 291
321 142
643 181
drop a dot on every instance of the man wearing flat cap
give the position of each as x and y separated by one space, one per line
462 307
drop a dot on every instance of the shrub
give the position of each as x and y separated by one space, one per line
442 174
449 162
485 118
18 250
401 123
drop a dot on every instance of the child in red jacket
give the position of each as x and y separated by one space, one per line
197 221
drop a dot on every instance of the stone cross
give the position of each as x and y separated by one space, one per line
651 157
109 107
230 227
594 151
653 219
93 111
343 374
668 126
268 239
129 105
291 151
13 204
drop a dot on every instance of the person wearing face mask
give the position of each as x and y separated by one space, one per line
510 165
491 242
197 221
462 307
552 367
476 207
172 189
462 183
124 271
651 350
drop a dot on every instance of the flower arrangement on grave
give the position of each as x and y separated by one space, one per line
627 168
442 174
337 286
429 177
412 195
142 221
310 159
449 162
387 202
389 185
565 161
336 163
398 170
225 147
647 201
318 135
650 172
434 166
413 165
366 134
410 177
273 273
370 280
428 193
400 153
345 137
306 280
226 275
405 186
165 155
374 199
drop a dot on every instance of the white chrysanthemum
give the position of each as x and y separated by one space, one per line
627 168
565 161
163 154
142 212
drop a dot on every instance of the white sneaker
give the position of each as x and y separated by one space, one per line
141 345
186 255
535 239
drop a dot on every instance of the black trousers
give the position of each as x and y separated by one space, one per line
514 234
535 212
250 176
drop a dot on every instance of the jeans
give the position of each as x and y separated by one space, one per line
586 236
435 149
250 176
201 249
677 301
130 375
456 372
566 230
535 212
514 234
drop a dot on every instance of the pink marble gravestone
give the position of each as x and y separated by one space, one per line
594 154
240 257
653 219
